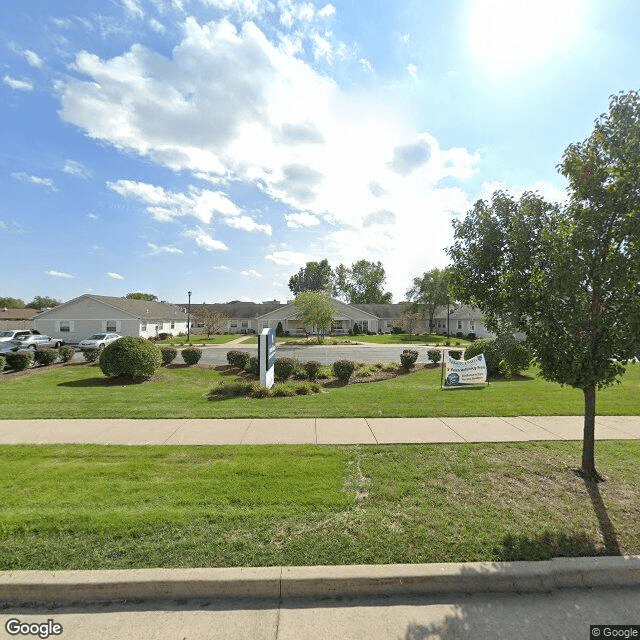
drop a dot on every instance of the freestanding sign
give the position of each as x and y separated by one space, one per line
267 356
463 373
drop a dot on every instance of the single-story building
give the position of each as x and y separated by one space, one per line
16 318
88 314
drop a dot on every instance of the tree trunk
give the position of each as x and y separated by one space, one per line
588 440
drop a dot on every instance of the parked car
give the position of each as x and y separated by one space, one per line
38 341
16 334
98 341
8 347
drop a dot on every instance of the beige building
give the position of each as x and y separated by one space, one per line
16 319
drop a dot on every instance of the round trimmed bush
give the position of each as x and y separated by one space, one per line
45 357
435 355
283 368
408 359
169 354
19 361
130 357
238 358
191 355
455 355
91 355
312 368
343 369
253 366
66 353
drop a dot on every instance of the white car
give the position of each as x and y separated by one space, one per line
17 334
98 341
38 341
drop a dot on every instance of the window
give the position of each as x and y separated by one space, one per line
173 324
143 326
160 326
459 325
245 324
65 326
472 325
111 326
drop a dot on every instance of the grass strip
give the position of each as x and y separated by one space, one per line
98 507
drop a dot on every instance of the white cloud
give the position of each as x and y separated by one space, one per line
221 267
251 273
58 274
288 258
326 11
157 26
42 182
412 70
33 58
204 240
75 168
115 276
93 217
133 8
302 219
245 223
20 85
156 249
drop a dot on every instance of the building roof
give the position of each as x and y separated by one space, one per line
239 309
142 309
383 310
17 314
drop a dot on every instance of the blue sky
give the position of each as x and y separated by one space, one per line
217 145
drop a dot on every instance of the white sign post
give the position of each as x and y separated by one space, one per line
267 356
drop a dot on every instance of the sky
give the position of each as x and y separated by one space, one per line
216 146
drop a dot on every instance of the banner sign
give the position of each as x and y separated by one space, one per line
462 373
267 356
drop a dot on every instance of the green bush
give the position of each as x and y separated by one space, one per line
169 354
130 357
279 330
191 355
455 355
435 355
91 355
503 355
45 357
259 391
66 353
312 369
408 359
283 391
253 366
238 358
19 361
2 363
284 368
343 369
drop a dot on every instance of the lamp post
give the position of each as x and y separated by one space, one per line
189 318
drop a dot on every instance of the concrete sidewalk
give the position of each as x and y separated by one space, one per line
313 430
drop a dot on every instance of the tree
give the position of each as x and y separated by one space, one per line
213 321
429 292
43 302
314 276
362 283
409 320
568 276
315 309
11 303
149 297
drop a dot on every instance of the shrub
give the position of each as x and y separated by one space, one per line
169 354
283 391
343 369
45 357
299 373
130 357
164 336
258 391
355 330
459 334
284 368
456 355
253 366
66 353
225 389
503 355
397 330
326 371
18 361
364 370
408 358
435 355
238 358
471 336
312 369
279 330
2 363
91 355
191 355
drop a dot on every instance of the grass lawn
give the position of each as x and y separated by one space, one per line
99 507
81 391
198 338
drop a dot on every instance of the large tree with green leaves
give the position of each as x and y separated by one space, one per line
429 291
315 310
568 276
43 302
138 295
11 303
314 276
361 283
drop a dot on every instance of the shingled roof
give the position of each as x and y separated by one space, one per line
239 309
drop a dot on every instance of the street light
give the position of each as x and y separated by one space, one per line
189 318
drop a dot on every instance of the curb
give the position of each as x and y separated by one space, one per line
279 583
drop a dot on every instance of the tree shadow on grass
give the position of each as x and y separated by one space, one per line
104 382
